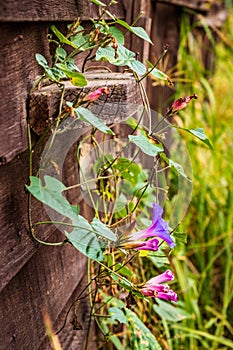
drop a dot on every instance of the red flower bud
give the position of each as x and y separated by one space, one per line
94 95
181 103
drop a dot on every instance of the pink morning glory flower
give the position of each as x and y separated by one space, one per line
158 228
139 245
154 287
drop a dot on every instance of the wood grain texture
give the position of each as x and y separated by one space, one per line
70 338
123 100
17 245
45 283
18 68
44 10
198 5
165 31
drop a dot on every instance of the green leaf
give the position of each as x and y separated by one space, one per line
98 2
125 58
145 334
76 78
156 73
139 31
81 40
105 54
123 270
55 74
71 65
82 237
200 134
146 144
170 312
41 60
178 167
79 80
62 38
137 66
128 169
103 230
85 241
123 282
159 261
117 34
117 315
61 53
86 115
132 122
51 195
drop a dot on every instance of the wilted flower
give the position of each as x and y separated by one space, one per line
181 103
154 288
158 228
94 95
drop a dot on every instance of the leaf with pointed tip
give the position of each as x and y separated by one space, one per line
102 230
61 37
146 144
76 78
87 116
117 34
200 134
98 2
139 31
177 166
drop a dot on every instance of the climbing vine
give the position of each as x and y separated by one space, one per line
124 194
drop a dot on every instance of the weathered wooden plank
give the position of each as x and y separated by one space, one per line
69 337
44 10
140 11
18 68
123 99
198 5
165 31
45 283
17 245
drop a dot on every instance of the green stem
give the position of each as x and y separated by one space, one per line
154 66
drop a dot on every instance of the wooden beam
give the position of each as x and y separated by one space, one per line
202 6
123 100
51 10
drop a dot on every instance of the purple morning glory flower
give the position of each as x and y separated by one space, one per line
158 228
154 288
